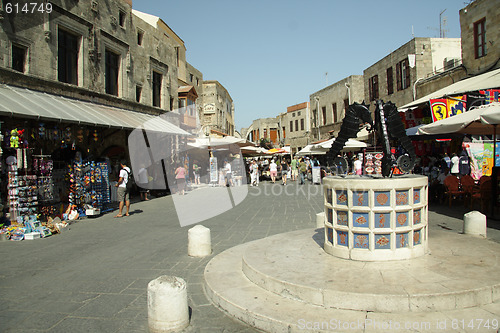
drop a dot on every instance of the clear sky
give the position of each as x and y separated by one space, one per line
273 54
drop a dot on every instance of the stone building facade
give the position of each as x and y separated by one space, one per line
480 31
480 50
295 126
332 102
264 129
96 51
393 78
218 108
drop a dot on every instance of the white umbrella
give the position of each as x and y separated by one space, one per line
350 144
491 115
310 150
477 121
253 151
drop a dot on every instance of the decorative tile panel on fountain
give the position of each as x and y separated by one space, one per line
373 218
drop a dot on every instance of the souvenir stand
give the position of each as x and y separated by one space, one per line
23 197
34 189
89 187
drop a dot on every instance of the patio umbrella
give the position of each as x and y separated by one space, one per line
350 145
309 150
253 151
479 121
276 151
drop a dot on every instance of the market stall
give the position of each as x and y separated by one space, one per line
484 154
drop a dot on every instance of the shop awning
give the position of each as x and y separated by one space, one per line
26 103
489 80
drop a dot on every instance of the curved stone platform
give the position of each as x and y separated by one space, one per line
286 283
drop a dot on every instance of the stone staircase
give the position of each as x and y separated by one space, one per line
287 283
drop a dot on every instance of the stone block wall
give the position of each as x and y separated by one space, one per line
429 56
477 10
336 93
218 107
100 26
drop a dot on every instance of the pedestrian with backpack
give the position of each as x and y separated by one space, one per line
124 186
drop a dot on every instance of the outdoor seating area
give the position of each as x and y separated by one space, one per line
468 191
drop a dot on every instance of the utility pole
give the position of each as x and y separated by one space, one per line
442 24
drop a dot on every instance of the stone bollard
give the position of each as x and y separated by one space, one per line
167 304
199 243
320 220
475 223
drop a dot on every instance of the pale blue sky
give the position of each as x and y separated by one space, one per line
273 54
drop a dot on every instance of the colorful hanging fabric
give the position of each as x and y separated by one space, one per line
439 109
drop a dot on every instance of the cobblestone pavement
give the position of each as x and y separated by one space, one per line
93 277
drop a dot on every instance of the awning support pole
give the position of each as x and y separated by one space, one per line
494 175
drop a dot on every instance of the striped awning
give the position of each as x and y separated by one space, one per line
31 104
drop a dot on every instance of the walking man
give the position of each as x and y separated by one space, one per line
303 171
122 192
284 171
295 170
229 174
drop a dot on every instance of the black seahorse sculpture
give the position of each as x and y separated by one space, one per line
388 125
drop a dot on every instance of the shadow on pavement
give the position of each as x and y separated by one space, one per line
319 237
458 211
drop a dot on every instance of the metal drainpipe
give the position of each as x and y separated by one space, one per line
317 117
415 87
348 92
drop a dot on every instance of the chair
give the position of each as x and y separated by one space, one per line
452 184
484 179
484 194
470 188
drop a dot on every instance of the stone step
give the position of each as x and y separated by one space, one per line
228 288
294 265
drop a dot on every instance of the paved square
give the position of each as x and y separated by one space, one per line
93 277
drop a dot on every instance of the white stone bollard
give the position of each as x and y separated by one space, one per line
320 220
199 243
167 304
475 223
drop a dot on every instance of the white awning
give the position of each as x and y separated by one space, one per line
489 80
479 121
26 103
205 142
